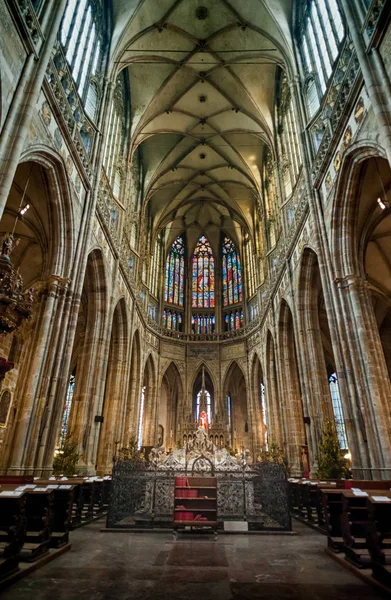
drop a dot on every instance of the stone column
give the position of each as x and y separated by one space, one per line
24 101
19 455
368 381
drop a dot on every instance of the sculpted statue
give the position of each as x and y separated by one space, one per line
8 246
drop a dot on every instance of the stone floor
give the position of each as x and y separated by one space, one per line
146 566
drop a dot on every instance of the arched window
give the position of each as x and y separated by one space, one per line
203 275
338 413
67 410
141 418
115 142
175 274
208 405
156 264
321 34
232 273
249 264
264 415
81 35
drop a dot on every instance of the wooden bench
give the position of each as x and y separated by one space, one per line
63 501
379 536
12 531
39 514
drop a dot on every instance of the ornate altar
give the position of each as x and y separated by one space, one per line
143 493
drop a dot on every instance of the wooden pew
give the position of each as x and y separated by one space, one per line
379 536
333 504
39 514
12 531
332 510
64 494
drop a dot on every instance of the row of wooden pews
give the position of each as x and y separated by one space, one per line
37 514
355 515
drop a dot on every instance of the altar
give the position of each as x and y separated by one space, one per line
253 494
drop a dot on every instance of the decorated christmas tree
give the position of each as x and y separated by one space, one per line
331 464
66 458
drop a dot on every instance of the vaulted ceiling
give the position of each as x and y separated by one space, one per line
202 85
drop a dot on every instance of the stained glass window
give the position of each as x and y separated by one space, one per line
203 323
67 410
172 319
208 405
203 279
233 320
338 413
175 273
232 273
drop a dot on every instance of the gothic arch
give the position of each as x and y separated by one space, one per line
236 393
291 394
62 226
260 409
170 404
147 404
210 385
272 392
134 388
344 219
113 409
90 360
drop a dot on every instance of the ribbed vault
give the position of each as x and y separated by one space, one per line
202 85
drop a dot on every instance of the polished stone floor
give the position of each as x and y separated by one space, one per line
144 566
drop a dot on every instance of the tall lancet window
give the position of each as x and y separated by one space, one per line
203 275
175 273
232 273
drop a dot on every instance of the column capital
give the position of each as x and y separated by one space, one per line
351 280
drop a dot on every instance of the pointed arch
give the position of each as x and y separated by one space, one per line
131 423
260 405
291 390
235 397
61 241
210 388
171 398
272 392
146 432
89 358
114 401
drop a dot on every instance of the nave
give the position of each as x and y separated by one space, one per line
141 566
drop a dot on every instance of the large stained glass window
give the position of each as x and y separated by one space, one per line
175 273
232 273
203 279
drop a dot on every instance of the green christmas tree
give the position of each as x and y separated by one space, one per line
331 464
66 458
